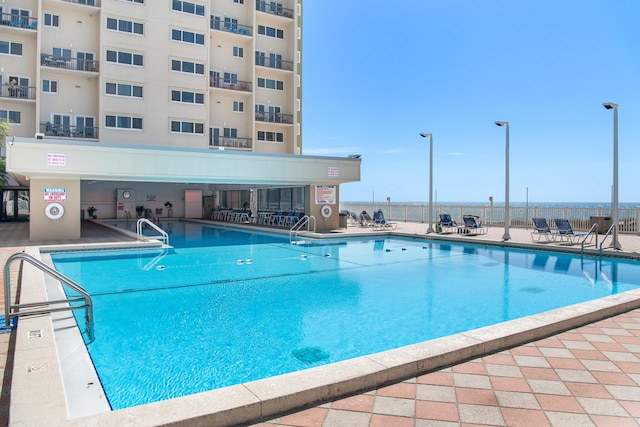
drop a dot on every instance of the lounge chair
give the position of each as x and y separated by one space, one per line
472 226
565 232
365 219
379 221
447 224
541 228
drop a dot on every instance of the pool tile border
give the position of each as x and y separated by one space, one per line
37 398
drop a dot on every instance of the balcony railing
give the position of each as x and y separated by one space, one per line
230 84
19 92
280 64
226 142
264 116
217 24
18 21
69 63
273 8
69 131
85 2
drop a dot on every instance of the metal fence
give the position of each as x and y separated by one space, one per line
520 216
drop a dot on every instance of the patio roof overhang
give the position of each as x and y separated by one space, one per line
29 158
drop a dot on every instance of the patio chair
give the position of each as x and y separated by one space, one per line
447 224
472 226
380 222
541 229
565 232
365 219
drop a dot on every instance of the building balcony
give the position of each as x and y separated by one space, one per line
68 63
230 84
273 8
264 116
218 24
17 21
95 3
279 64
68 131
222 142
17 92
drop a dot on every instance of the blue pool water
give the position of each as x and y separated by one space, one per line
225 307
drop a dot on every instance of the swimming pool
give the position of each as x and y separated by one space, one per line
225 307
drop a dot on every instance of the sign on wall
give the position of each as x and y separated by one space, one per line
332 171
55 194
55 159
325 194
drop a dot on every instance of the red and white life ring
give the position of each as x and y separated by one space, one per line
54 211
326 211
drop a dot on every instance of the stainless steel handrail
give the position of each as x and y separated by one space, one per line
9 312
591 230
142 221
305 220
607 234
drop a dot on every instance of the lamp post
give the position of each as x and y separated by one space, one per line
507 218
614 209
424 135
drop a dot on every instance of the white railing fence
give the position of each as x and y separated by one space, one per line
520 216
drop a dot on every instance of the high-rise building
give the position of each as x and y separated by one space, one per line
112 92
197 74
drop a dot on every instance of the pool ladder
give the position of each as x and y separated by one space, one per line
45 307
305 220
142 222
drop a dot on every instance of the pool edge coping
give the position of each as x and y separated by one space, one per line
264 399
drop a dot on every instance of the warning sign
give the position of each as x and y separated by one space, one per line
55 194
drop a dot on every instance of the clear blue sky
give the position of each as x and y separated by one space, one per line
378 73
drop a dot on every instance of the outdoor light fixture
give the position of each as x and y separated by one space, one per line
507 218
424 135
614 202
354 156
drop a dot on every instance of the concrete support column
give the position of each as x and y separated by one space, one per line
43 192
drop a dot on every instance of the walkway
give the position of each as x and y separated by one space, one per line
586 376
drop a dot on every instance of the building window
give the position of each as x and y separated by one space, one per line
271 84
135 1
13 117
239 1
123 122
187 67
238 106
187 37
50 86
270 32
188 7
178 126
51 20
230 78
187 97
126 58
270 136
125 26
10 48
238 52
123 89
230 132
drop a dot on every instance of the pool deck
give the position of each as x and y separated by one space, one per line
582 370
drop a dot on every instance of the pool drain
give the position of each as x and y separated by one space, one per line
308 355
